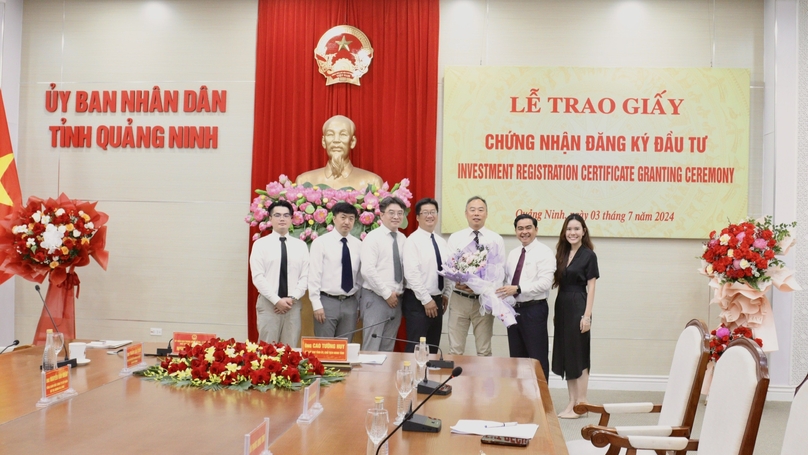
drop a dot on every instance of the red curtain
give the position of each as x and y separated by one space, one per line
395 108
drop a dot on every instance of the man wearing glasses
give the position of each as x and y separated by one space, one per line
464 306
383 275
426 294
279 265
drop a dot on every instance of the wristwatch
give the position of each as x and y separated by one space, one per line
518 289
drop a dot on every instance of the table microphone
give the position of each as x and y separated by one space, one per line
67 360
363 328
15 343
417 422
432 363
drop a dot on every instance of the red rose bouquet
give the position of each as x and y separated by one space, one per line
721 337
50 238
219 363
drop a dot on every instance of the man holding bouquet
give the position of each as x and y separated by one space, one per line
464 304
529 272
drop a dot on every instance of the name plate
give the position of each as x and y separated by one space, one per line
311 403
256 442
55 386
183 339
326 349
133 359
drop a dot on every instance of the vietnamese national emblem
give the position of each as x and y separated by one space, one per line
343 54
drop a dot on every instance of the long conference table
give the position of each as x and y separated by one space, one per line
129 415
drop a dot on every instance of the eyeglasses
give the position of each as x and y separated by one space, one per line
393 214
281 215
429 213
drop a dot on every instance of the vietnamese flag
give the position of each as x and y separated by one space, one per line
10 193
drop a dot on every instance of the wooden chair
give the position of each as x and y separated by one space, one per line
797 426
732 415
678 408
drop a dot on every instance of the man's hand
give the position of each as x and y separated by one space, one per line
506 291
445 299
392 301
431 309
284 305
319 315
464 288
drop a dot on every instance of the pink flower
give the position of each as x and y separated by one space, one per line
367 218
256 237
363 235
313 195
297 218
320 215
403 194
274 189
330 228
722 332
314 235
760 244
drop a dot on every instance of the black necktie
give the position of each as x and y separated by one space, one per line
398 274
440 262
347 269
283 285
477 238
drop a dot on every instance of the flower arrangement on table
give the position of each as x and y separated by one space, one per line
722 336
481 268
218 364
50 238
312 206
741 262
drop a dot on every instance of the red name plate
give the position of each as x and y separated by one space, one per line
57 381
327 350
134 355
183 339
258 439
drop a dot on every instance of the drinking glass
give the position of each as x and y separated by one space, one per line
404 382
58 344
376 425
421 357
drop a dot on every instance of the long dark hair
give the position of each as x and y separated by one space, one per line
563 247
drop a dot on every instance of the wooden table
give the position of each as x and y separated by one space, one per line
132 416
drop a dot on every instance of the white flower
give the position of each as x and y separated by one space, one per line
45 219
89 225
62 228
744 263
730 253
709 269
76 233
37 216
19 229
30 242
59 212
724 239
52 238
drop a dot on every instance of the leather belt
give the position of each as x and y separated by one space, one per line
529 303
337 297
467 295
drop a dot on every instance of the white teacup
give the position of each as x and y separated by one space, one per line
77 351
353 352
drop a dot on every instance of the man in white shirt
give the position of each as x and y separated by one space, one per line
334 275
529 272
426 294
279 264
383 275
464 305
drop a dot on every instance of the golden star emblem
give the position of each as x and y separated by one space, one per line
343 43
5 162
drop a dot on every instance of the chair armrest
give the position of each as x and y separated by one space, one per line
618 442
586 432
644 430
607 409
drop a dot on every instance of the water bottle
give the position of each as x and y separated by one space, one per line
371 449
49 355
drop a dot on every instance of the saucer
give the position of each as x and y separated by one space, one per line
82 362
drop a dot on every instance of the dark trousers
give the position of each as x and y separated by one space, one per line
419 324
528 337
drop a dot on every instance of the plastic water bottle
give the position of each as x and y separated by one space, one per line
49 355
371 449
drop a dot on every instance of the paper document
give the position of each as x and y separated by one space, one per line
488 427
108 344
372 359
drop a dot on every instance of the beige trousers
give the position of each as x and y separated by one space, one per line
462 313
273 327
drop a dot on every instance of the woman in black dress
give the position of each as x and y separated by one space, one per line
575 275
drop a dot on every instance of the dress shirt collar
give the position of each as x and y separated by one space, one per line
530 245
424 231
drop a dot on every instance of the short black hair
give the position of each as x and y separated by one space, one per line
386 202
476 198
525 216
423 202
344 207
276 204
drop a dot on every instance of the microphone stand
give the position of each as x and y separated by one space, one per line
425 385
420 423
67 360
15 343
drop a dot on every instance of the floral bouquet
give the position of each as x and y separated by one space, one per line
482 269
721 337
50 238
741 263
312 206
218 364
